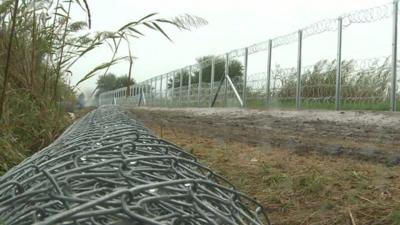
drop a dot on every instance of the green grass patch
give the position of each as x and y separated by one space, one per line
320 105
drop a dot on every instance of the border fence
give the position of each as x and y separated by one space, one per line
253 77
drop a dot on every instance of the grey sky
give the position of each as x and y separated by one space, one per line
232 24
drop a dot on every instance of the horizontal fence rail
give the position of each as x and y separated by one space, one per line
109 169
337 82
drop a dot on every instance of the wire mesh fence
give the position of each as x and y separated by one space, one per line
297 70
109 169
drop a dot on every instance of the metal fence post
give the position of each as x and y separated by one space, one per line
394 57
139 89
155 91
246 58
148 92
173 88
268 84
298 86
140 94
339 64
190 85
161 92
212 78
199 84
152 91
226 82
180 86
166 89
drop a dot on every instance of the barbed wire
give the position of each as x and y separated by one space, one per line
320 27
237 53
109 169
368 15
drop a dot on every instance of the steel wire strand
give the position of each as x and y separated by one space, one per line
109 169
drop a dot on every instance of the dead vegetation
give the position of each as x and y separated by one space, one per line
296 189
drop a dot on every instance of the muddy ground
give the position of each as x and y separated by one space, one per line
361 135
305 167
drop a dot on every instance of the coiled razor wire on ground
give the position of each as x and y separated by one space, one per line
108 169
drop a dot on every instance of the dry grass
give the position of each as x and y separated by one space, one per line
26 128
301 189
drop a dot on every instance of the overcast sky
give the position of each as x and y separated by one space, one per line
232 24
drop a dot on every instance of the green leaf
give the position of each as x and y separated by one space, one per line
161 30
98 68
149 25
134 30
127 25
148 16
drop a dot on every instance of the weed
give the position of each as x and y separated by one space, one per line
39 43
310 184
395 217
275 179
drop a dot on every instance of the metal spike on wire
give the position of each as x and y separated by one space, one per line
109 169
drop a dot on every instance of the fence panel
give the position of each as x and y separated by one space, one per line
334 63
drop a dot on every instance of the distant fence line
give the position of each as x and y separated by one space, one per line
350 84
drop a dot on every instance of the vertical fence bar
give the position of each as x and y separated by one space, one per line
166 89
225 80
244 94
148 91
155 91
212 79
159 94
152 91
394 57
298 86
268 84
173 88
180 86
136 93
153 81
199 84
190 86
161 90
143 94
141 91
339 64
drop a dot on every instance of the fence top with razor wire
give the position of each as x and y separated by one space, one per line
343 21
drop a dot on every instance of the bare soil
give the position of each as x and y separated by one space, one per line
362 135
305 167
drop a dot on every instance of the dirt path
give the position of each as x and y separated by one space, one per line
361 135
275 156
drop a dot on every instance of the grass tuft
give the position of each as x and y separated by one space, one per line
301 189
